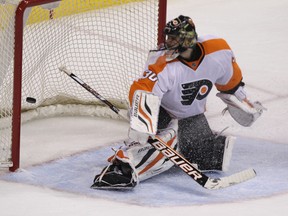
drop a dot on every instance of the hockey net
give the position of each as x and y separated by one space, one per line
103 42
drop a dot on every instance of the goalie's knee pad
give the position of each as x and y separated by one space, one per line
152 162
147 160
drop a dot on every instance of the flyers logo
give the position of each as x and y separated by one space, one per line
195 90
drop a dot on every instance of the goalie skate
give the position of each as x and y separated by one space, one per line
112 178
120 174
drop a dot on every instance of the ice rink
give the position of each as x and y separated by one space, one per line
60 156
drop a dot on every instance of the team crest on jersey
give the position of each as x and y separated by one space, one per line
196 90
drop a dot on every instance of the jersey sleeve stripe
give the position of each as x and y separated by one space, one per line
159 65
142 84
234 81
146 84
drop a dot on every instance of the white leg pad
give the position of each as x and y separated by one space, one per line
229 143
147 160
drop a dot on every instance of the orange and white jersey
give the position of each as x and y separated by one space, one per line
183 86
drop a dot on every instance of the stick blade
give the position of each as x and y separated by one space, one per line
228 181
64 69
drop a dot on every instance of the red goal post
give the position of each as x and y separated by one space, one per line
104 42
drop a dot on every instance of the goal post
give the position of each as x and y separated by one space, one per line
105 42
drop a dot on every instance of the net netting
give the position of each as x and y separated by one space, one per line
104 42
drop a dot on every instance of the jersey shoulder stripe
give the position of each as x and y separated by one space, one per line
160 64
214 45
234 80
145 82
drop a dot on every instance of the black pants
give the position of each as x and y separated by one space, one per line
196 141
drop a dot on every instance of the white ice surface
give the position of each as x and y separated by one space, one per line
257 32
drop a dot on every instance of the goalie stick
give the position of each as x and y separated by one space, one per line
198 176
93 92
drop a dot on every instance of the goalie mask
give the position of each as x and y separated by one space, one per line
180 34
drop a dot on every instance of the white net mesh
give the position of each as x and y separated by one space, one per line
104 42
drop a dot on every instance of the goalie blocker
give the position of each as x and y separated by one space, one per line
144 112
143 116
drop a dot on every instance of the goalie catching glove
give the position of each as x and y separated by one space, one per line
240 108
